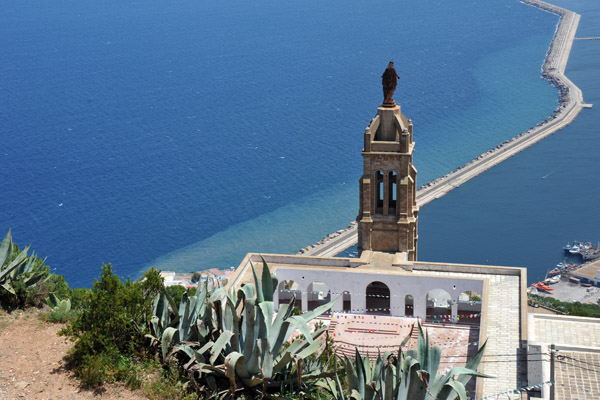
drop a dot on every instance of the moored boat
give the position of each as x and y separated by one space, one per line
555 271
541 286
574 250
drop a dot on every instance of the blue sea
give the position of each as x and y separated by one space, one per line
183 134
522 212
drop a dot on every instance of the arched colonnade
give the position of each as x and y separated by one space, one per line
370 293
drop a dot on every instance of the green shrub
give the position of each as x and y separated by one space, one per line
196 276
77 296
168 383
92 371
177 292
56 284
109 329
575 309
60 316
109 367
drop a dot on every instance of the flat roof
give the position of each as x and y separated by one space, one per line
589 270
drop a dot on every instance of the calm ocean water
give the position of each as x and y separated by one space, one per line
184 134
523 211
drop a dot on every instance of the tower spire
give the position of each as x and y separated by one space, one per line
388 213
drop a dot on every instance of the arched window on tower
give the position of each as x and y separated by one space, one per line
392 192
380 192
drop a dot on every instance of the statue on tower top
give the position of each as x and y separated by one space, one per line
389 80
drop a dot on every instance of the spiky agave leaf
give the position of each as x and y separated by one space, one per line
64 306
219 345
52 300
267 282
170 335
5 249
9 266
441 388
259 292
411 387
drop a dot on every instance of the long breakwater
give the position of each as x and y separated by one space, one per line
570 104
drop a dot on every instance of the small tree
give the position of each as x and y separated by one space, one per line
196 276
113 319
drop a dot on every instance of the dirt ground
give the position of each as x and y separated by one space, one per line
32 366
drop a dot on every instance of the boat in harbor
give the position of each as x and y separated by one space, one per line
574 245
556 271
574 249
542 286
587 250
552 280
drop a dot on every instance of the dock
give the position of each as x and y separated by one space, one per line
587 38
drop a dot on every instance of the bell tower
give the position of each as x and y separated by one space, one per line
388 213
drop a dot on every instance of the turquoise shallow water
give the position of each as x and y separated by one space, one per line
523 211
184 134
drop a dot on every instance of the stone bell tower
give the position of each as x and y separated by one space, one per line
388 214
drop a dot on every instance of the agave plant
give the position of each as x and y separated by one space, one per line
237 344
410 376
193 321
58 305
17 269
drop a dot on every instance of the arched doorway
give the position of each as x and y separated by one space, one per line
287 290
378 298
318 294
439 306
469 307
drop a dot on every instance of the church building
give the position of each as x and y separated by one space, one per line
386 288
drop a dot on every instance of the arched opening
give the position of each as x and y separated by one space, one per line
317 294
409 305
347 299
378 298
469 307
287 290
379 192
392 181
439 306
